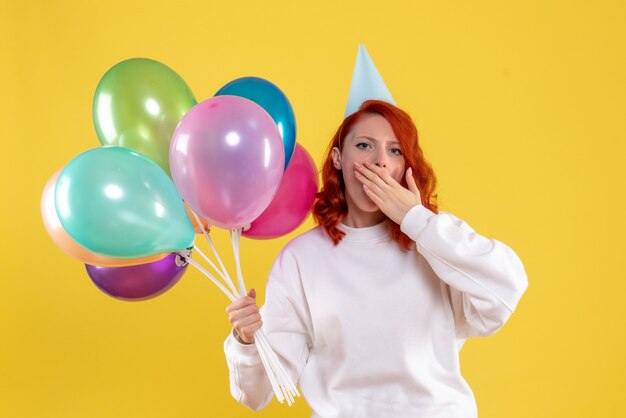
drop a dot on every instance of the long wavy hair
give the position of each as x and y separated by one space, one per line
330 205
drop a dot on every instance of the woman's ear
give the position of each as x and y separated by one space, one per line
336 154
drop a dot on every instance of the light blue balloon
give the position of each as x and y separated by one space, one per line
118 203
273 100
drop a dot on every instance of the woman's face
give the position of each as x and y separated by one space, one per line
371 140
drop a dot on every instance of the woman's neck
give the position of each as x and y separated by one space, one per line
360 219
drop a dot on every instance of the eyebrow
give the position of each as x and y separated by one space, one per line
376 140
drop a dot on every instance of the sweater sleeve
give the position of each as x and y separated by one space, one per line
284 323
486 279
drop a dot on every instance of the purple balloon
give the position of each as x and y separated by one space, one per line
292 203
227 160
139 282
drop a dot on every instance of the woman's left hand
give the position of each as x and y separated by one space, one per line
390 196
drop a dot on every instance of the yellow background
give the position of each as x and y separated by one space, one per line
521 108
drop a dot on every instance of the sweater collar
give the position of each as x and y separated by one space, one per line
368 233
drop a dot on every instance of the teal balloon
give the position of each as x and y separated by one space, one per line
118 203
273 100
137 105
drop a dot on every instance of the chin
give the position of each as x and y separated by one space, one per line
364 203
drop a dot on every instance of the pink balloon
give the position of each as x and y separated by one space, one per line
227 160
292 203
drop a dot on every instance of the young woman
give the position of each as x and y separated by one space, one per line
368 310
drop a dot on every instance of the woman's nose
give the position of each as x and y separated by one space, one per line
381 159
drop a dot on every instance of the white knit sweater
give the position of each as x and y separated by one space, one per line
369 330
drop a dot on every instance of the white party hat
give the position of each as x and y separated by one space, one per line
366 83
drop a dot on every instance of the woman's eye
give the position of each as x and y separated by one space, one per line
396 151
362 145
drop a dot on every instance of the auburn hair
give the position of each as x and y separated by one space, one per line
330 205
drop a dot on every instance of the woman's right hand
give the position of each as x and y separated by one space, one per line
245 318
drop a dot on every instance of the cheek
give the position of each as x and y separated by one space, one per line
349 162
398 173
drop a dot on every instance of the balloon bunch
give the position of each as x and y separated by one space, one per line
169 168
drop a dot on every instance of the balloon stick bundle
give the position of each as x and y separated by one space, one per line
127 209
279 379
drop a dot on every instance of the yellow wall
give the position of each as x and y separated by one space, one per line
521 110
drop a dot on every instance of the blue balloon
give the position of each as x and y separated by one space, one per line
273 100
